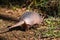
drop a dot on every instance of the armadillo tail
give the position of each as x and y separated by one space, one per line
17 24
7 29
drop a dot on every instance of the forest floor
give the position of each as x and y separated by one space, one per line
50 30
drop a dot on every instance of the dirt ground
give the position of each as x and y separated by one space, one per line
18 34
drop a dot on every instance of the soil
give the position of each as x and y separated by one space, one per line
18 34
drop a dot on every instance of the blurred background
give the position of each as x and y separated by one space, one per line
11 10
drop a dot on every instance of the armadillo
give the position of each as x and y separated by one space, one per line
29 19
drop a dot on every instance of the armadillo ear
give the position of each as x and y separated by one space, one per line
44 16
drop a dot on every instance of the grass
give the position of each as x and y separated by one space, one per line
53 28
49 29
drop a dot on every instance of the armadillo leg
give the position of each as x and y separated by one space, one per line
27 27
35 26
